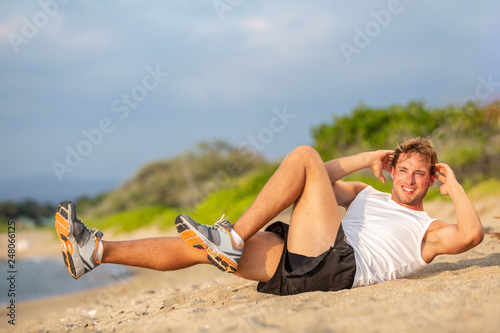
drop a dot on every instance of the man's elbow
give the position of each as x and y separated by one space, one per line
479 236
476 238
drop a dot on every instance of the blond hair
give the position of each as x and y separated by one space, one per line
421 146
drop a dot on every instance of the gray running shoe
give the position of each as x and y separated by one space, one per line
78 242
215 240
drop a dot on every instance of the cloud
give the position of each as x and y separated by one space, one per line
244 56
290 36
10 25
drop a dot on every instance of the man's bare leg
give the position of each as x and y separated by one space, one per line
258 263
301 179
163 253
261 257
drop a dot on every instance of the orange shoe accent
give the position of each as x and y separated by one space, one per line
95 251
193 239
62 225
232 241
221 261
63 229
186 234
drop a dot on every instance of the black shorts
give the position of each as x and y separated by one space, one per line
330 271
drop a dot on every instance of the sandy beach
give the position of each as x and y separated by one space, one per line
453 294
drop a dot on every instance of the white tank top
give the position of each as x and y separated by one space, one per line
386 237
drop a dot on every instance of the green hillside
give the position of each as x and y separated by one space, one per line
231 200
182 181
216 177
466 137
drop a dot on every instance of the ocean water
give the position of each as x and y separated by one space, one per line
43 277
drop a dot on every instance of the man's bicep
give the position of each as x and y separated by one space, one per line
447 239
346 192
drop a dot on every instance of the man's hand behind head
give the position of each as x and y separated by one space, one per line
381 160
446 176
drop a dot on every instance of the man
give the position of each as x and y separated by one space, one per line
382 236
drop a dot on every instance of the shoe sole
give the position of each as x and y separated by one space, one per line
65 232
197 240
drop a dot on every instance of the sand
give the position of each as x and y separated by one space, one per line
453 294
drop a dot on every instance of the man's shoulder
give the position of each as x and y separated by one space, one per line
358 186
369 190
346 192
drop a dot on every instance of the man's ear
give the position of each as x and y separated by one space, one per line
433 179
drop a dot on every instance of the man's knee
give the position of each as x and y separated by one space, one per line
306 152
307 155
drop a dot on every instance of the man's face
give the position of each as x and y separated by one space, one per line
411 180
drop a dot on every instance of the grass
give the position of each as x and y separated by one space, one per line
489 187
232 201
128 220
235 200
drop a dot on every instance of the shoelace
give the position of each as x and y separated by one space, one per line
94 231
222 219
219 223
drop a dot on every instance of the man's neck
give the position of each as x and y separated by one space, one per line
418 206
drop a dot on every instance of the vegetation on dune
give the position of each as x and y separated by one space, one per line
466 137
26 209
231 200
217 178
235 200
182 181
133 218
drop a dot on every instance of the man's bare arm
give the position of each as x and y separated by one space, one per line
337 169
378 161
467 233
346 192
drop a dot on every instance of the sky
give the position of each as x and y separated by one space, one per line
90 91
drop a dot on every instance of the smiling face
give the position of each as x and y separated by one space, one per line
411 179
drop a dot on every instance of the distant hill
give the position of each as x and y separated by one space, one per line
182 181
48 189
44 194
